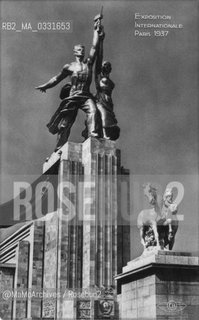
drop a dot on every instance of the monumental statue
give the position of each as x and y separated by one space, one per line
159 224
100 119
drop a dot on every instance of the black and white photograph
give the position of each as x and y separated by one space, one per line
99 181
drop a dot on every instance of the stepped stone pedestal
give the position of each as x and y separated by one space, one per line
161 286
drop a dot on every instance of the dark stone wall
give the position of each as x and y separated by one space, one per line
6 283
38 264
22 278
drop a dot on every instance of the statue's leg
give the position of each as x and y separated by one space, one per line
142 237
154 227
168 223
65 127
109 123
92 119
85 131
103 113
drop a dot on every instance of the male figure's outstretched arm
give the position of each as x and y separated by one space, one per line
55 80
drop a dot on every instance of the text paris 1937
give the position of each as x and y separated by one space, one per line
156 33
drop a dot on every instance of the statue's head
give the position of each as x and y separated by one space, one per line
106 67
168 195
79 50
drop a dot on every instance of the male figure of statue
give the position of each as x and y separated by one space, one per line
78 96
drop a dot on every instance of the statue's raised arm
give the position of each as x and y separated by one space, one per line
98 34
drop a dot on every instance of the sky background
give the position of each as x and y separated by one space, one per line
155 98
